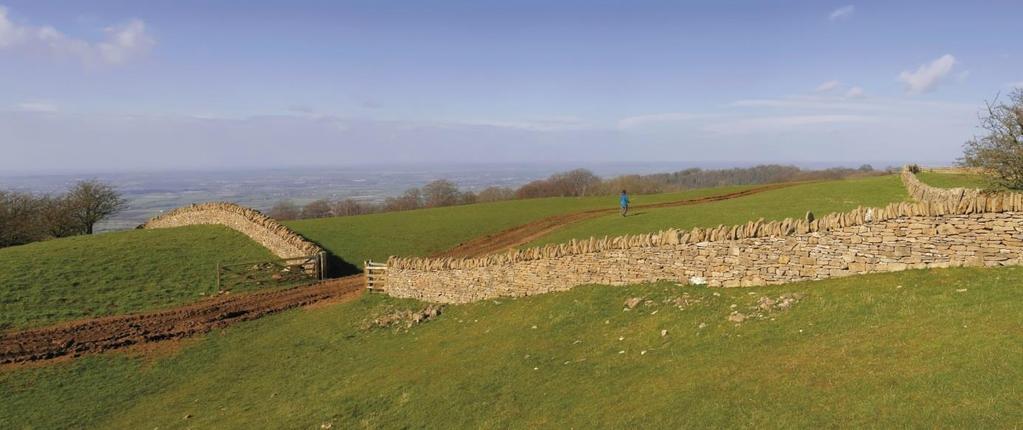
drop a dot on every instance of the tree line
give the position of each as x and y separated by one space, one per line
28 217
573 183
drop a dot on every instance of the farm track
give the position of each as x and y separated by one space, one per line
526 233
107 333
102 334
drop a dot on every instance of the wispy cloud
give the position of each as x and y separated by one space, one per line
638 121
927 76
36 106
854 92
843 12
782 123
122 43
828 86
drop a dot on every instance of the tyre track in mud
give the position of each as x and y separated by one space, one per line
101 334
96 335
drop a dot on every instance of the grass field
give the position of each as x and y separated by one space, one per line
820 198
952 180
939 348
422 232
114 273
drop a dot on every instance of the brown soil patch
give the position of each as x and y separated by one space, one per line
101 334
526 233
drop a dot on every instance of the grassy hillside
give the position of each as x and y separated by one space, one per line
952 180
425 231
820 198
941 348
114 273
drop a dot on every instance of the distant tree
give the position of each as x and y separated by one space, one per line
999 153
494 194
316 209
58 215
349 207
578 182
467 198
284 210
866 168
20 220
440 193
92 201
411 199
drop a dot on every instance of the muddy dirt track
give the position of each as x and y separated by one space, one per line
526 233
102 334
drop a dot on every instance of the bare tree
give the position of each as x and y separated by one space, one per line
493 194
412 199
316 209
20 220
92 201
440 193
999 153
349 207
284 210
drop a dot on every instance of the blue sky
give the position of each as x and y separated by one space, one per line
123 85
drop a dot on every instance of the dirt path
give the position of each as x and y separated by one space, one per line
101 334
526 233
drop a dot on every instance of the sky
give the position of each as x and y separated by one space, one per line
129 85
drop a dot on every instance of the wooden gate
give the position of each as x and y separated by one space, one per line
376 275
271 273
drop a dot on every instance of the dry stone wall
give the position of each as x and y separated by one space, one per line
950 230
266 231
926 193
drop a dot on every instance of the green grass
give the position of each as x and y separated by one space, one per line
953 180
114 273
422 232
923 349
820 198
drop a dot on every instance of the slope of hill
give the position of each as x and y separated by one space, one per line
793 202
426 231
939 348
114 273
952 179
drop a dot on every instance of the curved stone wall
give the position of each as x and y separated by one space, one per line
926 193
280 240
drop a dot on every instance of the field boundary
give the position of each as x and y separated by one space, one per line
274 236
797 249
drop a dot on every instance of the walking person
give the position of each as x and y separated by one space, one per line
623 201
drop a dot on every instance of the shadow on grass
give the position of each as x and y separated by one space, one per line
337 267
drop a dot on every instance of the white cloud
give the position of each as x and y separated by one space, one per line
843 12
653 119
828 86
927 76
782 123
37 106
854 92
122 43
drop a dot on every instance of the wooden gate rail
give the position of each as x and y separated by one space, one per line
276 272
376 275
